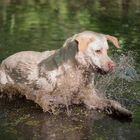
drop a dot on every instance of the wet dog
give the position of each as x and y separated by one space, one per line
64 76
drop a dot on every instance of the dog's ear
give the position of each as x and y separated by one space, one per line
71 43
83 42
114 40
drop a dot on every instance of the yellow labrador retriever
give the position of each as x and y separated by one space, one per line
63 76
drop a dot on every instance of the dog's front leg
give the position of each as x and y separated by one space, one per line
110 107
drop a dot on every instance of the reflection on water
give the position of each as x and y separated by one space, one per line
45 24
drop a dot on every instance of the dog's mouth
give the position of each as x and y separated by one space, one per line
101 70
94 68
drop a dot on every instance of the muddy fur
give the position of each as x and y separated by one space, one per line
60 77
68 93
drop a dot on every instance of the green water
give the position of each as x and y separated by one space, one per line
44 25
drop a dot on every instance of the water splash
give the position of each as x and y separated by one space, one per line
120 84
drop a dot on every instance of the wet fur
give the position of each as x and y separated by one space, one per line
55 78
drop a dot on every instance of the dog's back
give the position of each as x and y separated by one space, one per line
22 66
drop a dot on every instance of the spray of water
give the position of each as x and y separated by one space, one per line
119 84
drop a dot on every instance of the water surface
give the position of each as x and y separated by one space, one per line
44 25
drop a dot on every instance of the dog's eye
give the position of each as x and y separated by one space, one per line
98 51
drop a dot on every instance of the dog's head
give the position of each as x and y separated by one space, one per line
92 50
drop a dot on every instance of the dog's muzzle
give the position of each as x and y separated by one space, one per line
102 70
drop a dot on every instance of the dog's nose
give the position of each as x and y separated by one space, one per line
111 66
